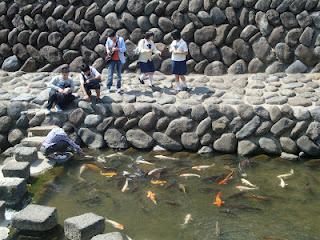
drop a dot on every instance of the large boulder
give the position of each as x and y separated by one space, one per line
179 126
52 55
115 139
167 142
227 143
270 145
190 141
91 139
11 64
139 139
215 68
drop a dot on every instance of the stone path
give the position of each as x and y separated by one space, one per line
254 89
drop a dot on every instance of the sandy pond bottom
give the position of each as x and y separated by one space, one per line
270 213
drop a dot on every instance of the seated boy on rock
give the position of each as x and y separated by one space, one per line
90 79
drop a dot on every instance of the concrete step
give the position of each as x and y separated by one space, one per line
33 141
40 131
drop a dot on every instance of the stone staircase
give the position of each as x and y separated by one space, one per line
36 136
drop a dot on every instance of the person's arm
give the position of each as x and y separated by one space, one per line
183 49
108 45
71 86
155 50
141 47
96 74
73 144
122 45
171 48
54 84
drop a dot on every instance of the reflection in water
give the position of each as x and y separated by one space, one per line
205 208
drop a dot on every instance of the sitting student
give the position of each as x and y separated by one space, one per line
57 141
61 91
90 78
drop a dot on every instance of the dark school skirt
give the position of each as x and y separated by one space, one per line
179 67
146 67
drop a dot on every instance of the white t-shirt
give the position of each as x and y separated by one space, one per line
93 74
144 46
180 45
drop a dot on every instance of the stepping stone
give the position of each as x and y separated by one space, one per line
40 167
41 131
16 169
36 218
83 227
2 210
25 154
12 190
33 142
111 236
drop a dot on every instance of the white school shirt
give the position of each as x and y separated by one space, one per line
144 54
93 74
180 45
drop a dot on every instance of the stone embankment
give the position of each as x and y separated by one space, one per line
224 36
250 114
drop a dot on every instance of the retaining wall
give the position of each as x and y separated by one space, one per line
224 36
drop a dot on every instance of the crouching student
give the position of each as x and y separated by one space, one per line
58 142
62 87
90 79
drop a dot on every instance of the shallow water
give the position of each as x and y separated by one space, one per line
285 213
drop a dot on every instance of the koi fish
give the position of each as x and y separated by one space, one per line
218 231
144 162
202 167
282 183
187 219
247 183
218 201
226 179
115 224
182 187
101 159
90 166
125 186
108 174
284 176
152 197
165 157
245 189
156 170
190 175
259 198
117 154
158 182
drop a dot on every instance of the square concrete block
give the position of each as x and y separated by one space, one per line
83 227
26 154
2 209
12 190
16 169
36 218
111 236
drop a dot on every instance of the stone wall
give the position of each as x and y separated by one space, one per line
224 36
206 127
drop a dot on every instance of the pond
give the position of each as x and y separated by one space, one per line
269 212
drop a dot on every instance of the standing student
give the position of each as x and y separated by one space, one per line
90 79
179 50
146 48
61 91
116 48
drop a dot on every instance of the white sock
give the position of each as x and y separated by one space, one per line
183 84
142 76
150 79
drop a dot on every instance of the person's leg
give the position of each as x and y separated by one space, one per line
98 92
110 74
119 68
86 91
150 75
177 87
183 81
52 98
142 77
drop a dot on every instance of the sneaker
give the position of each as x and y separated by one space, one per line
58 109
108 91
119 90
47 111
141 80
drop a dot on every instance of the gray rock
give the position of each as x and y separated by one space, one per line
16 169
288 145
165 24
315 113
220 125
91 139
139 139
2 210
275 113
282 126
243 49
15 136
297 67
313 131
178 126
205 34
289 20
92 120
12 190
25 154
106 123
148 122
307 146
136 7
247 148
36 218
263 24
115 139
83 227
239 67
190 141
203 126
198 113
264 128
166 142
77 116
249 128
236 124
215 68
111 236
217 15
299 129
11 64
289 157
205 150
270 146
227 143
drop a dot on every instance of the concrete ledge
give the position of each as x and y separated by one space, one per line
12 190
16 169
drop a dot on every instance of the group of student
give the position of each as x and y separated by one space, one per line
62 86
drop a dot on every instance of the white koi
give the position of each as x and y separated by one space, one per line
246 189
117 154
282 183
247 183
144 162
125 186
190 175
284 176
165 157
187 219
202 167
156 170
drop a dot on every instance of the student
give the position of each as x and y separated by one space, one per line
90 79
116 48
57 141
61 91
146 48
179 50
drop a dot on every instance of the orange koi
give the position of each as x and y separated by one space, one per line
158 182
218 201
226 179
152 197
108 174
115 224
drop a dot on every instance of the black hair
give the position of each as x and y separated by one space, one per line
112 34
65 69
176 35
84 67
148 35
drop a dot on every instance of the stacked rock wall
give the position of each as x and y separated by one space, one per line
206 127
224 36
